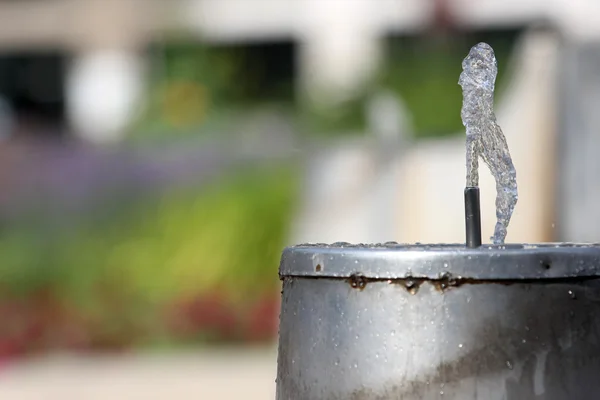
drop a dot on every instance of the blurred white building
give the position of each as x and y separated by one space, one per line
339 41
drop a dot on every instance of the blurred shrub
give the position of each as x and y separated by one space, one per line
187 266
424 72
344 118
196 87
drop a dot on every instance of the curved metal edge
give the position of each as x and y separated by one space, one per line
489 262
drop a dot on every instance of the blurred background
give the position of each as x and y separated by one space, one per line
157 155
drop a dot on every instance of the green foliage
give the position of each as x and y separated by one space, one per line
347 117
196 88
121 270
230 237
424 72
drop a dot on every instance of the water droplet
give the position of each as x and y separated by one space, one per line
524 340
460 345
509 365
357 336
337 362
393 333
572 294
355 365
445 265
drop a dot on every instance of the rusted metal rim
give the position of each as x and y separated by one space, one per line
443 261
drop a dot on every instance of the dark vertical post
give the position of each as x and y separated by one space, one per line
472 217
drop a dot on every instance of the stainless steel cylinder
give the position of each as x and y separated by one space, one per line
515 322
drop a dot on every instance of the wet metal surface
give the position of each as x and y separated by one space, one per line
392 335
489 262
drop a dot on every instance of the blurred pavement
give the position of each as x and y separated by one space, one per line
205 374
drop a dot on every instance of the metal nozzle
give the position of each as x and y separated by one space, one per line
472 217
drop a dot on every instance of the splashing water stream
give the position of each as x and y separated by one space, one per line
484 136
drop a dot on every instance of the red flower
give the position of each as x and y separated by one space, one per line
209 314
263 319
